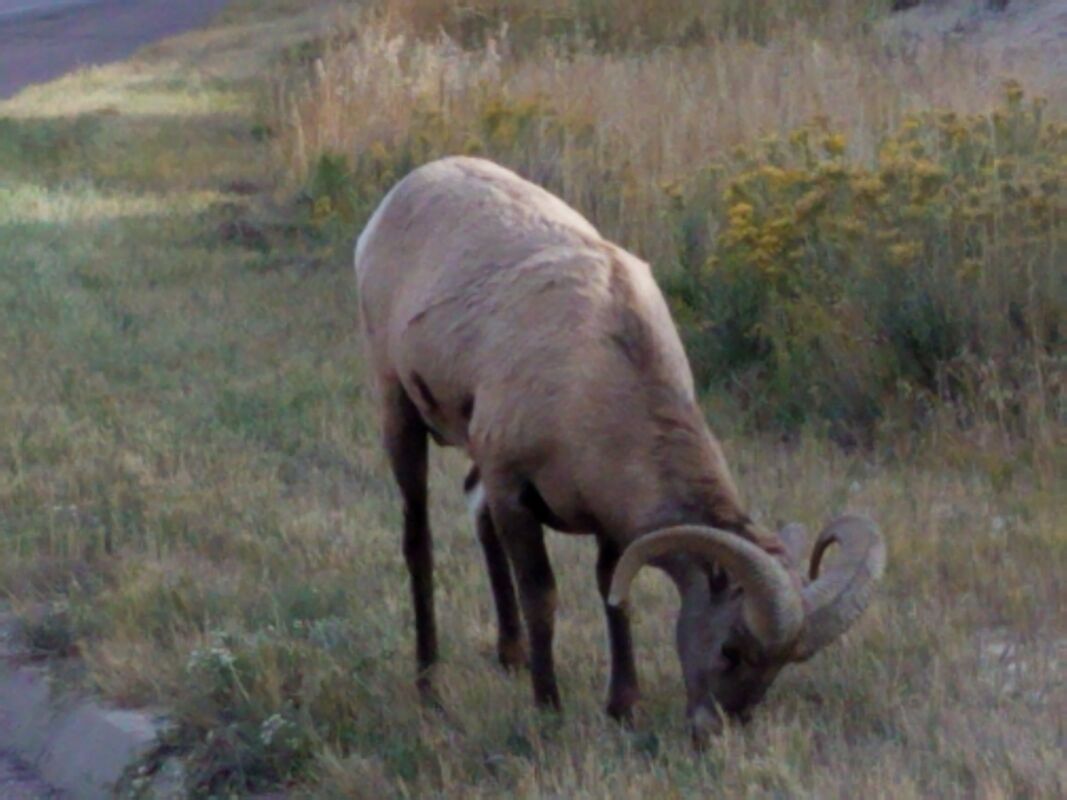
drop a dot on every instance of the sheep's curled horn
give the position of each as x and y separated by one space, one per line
784 619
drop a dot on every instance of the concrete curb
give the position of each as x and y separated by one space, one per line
76 745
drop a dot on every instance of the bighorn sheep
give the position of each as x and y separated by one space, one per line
499 321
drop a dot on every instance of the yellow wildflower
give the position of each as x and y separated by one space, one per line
776 176
868 187
781 226
740 213
833 171
927 169
849 227
969 269
1013 91
799 139
1050 182
322 208
810 203
671 188
473 146
1005 167
835 144
904 253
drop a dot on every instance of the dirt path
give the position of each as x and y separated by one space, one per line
42 39
17 783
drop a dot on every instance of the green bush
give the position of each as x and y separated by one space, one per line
830 289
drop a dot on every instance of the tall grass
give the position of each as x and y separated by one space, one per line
192 491
876 293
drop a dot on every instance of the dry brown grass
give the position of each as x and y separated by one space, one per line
646 118
633 25
191 483
923 699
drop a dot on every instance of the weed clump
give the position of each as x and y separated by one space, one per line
822 287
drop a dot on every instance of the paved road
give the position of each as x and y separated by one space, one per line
17 8
17 783
42 39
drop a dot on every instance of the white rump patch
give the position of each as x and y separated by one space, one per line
372 225
366 234
476 500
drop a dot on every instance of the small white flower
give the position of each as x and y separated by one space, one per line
270 728
216 657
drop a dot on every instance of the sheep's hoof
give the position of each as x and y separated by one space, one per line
621 707
623 716
428 695
512 655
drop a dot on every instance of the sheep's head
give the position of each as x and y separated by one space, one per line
745 615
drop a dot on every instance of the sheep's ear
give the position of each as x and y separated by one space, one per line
836 599
772 607
795 538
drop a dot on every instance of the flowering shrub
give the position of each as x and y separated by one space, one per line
816 284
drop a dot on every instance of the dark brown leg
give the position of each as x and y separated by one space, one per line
510 648
525 544
623 691
406 443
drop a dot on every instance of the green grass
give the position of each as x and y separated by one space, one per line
193 499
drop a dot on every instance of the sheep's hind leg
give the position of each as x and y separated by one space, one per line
510 648
406 444
524 541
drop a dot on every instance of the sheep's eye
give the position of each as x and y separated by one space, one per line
732 656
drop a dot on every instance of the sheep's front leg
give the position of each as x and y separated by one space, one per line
524 541
406 443
623 690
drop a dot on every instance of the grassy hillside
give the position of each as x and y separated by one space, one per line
192 497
